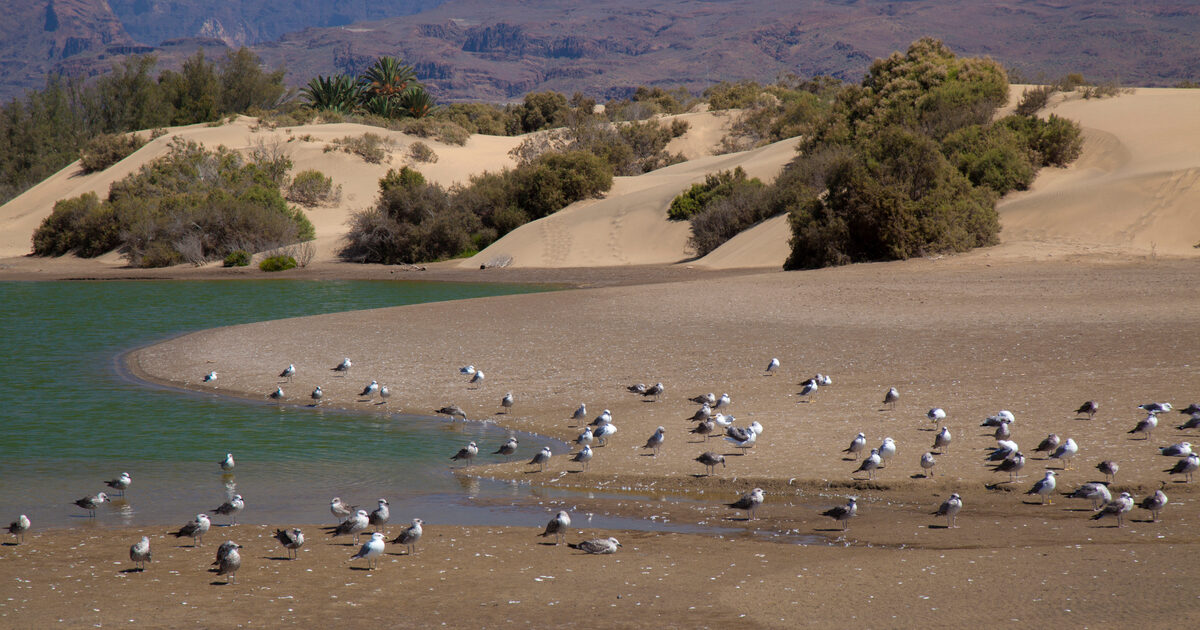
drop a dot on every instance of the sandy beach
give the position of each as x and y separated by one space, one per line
1074 305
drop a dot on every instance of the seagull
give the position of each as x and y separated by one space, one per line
210 377
1001 417
409 536
722 420
1155 407
277 394
1182 449
704 429
139 553
231 508
936 415
194 529
891 397
1003 432
808 388
1012 465
886 451
602 433
950 508
370 389
317 394
91 503
927 462
558 527
655 391
354 525
1190 409
223 550
941 441
452 411
1191 423
1146 426
1048 445
1118 507
340 510
371 550
585 437
705 399
343 367
227 464
1155 502
772 366
605 417
467 453
379 516
507 449
1186 467
292 540
823 379
856 445
723 402
1044 487
467 370
843 513
637 388
710 461
1065 452
580 412
288 372
1109 468
741 438
583 457
597 545
1097 492
384 394
870 464
703 413
655 441
507 402
19 527
1090 408
120 484
541 459
230 563
749 502
476 378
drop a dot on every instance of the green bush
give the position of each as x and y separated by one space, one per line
421 152
277 263
369 146
107 149
1032 101
405 179
82 225
725 95
994 156
724 217
310 188
237 258
446 131
715 186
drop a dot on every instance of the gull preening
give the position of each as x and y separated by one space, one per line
772 366
1155 502
452 411
317 394
1156 407
380 515
371 550
1003 416
227 464
210 377
542 458
749 502
1147 425
228 560
1004 449
843 513
409 536
91 503
194 529
583 457
637 388
343 367
467 370
356 524
1090 408
18 528
886 451
743 439
856 445
950 508
558 527
869 465
507 449
710 461
1097 493
1012 465
1109 468
277 394
1118 507
120 484
288 372
935 415
370 389
656 441
476 378
598 545
231 508
1180 449
891 397
139 553
941 441
1186 467
466 453
705 429
1003 432
584 437
1065 452
292 540
1045 487
927 464
340 510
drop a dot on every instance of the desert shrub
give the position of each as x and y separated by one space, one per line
81 225
409 225
557 179
724 217
237 258
405 178
540 110
994 156
483 118
421 152
107 149
311 188
271 159
1033 100
369 146
715 186
1054 141
725 95
446 131
277 263
792 112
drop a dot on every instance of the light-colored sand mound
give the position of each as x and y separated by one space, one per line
629 226
1135 189
764 245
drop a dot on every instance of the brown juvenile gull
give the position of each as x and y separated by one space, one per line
288 372
371 550
120 484
229 563
355 525
1118 507
292 540
541 459
1109 468
843 513
139 553
1045 487
749 502
705 429
410 535
452 411
1049 444
856 445
950 508
654 391
1186 467
231 508
1090 408
709 399
1155 502
583 457
891 397
598 545
91 503
194 529
558 527
703 413
656 441
710 461
1097 493
340 510
466 453
507 449
19 527
1012 465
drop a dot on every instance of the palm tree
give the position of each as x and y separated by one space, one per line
339 93
387 77
417 102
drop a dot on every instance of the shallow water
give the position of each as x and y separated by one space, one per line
71 419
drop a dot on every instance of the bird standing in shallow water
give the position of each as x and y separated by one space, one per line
466 453
843 513
91 503
507 449
749 502
231 508
19 527
227 464
120 484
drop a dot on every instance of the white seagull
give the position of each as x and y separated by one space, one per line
91 503
194 529
507 449
476 378
583 457
370 389
231 508
1045 487
1181 449
1065 452
120 484
585 437
19 527
340 510
139 553
723 402
210 377
507 402
466 453
1155 502
1097 493
467 370
1146 426
870 464
277 394
227 464
887 451
935 415
384 394
288 372
317 394
941 441
927 464
1186 467
343 367
772 367
856 445
380 515
541 459
355 525
603 432
891 397
371 550
580 412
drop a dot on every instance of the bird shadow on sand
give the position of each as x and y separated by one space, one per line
382 402
647 454
276 558
828 529
849 459
1079 509
697 476
939 527
1035 503
920 476
403 553
927 429
744 519
10 544
132 570
548 544
218 583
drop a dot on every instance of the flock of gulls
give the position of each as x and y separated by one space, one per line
711 420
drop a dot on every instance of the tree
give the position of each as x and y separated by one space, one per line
388 77
339 93
194 92
244 85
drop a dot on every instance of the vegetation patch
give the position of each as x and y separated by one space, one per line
370 147
714 187
237 258
277 263
421 152
313 188
107 149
